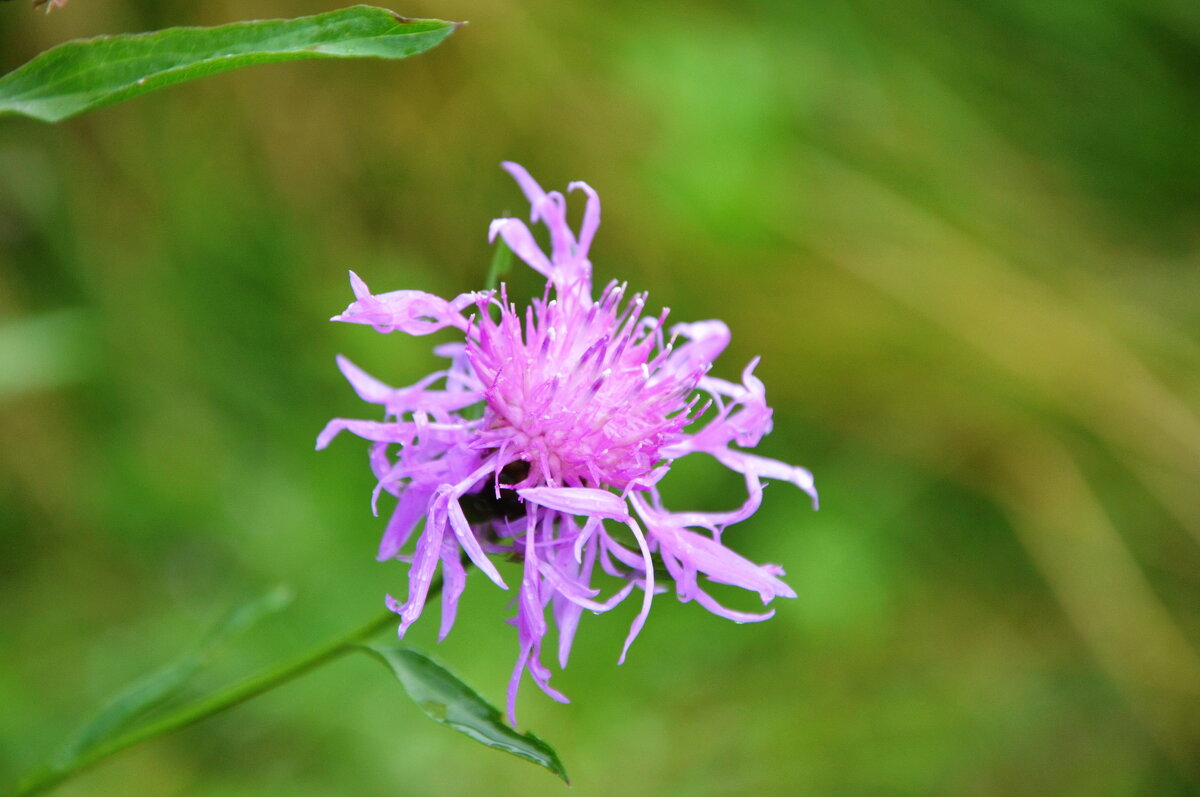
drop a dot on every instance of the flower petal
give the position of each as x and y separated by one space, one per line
647 588
379 431
420 574
413 312
455 581
529 186
520 240
744 462
466 538
591 217
578 501
706 340
412 506
366 386
706 555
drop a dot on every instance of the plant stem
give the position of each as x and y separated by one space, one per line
237 694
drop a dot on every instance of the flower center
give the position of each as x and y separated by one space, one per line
579 390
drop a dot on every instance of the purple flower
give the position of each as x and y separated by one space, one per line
544 439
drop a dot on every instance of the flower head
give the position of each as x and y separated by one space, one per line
545 436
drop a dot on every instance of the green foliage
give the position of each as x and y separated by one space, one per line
446 699
147 694
43 352
918 213
502 260
142 697
79 76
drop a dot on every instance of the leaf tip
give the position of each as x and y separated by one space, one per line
403 20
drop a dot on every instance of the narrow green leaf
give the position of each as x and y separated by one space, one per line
502 259
134 702
146 694
249 614
81 75
449 701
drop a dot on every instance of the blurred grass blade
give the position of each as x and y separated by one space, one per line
82 75
449 701
152 691
44 352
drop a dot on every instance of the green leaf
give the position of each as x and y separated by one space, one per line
502 260
146 694
81 75
247 615
449 701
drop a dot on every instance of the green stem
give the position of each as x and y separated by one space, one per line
237 694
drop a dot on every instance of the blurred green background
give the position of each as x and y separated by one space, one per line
963 236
